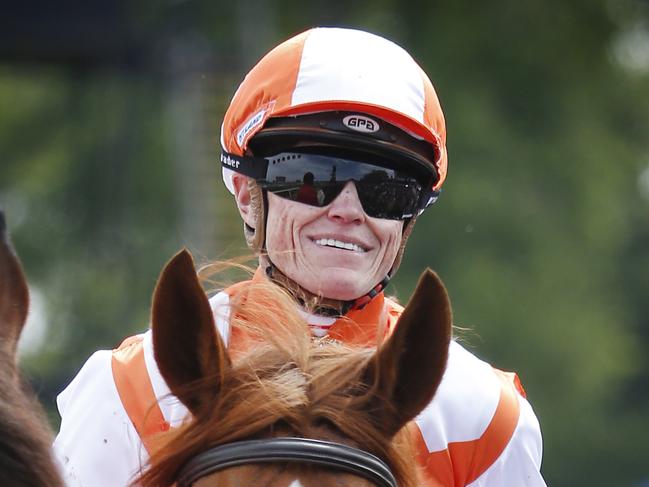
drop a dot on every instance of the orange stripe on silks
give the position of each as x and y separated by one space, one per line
363 327
437 466
136 391
514 379
369 326
463 462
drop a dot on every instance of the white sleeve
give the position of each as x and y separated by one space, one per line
97 445
520 463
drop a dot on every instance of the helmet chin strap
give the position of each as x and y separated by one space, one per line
314 303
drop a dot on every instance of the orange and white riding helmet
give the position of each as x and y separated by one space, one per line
335 69
339 88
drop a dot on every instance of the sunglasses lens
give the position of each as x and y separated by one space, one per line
391 200
317 180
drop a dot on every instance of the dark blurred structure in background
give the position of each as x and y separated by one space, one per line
74 34
109 122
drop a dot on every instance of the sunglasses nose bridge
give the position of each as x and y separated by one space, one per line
346 206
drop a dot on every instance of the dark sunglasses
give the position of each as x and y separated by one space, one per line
316 180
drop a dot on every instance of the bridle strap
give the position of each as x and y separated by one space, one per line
288 450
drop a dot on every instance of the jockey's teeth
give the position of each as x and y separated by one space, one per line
330 242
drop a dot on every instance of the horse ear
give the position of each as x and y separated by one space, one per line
409 367
187 347
14 294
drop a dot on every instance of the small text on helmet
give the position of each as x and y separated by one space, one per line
360 123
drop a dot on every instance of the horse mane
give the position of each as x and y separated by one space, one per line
282 382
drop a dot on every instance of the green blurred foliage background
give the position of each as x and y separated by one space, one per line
108 164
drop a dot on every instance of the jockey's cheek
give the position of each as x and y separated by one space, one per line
336 251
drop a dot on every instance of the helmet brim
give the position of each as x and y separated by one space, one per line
329 131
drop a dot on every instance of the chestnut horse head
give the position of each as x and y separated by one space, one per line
25 454
287 409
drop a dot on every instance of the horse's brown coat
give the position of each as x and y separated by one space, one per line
25 439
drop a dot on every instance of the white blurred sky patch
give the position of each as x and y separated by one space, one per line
643 183
35 331
630 48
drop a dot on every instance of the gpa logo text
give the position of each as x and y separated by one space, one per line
361 123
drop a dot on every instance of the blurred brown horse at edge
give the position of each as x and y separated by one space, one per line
25 437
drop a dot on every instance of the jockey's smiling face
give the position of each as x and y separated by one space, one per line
336 251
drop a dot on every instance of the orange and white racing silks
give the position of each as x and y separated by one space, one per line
478 431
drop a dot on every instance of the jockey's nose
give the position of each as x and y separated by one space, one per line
347 207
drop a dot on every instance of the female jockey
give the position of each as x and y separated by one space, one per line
356 112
